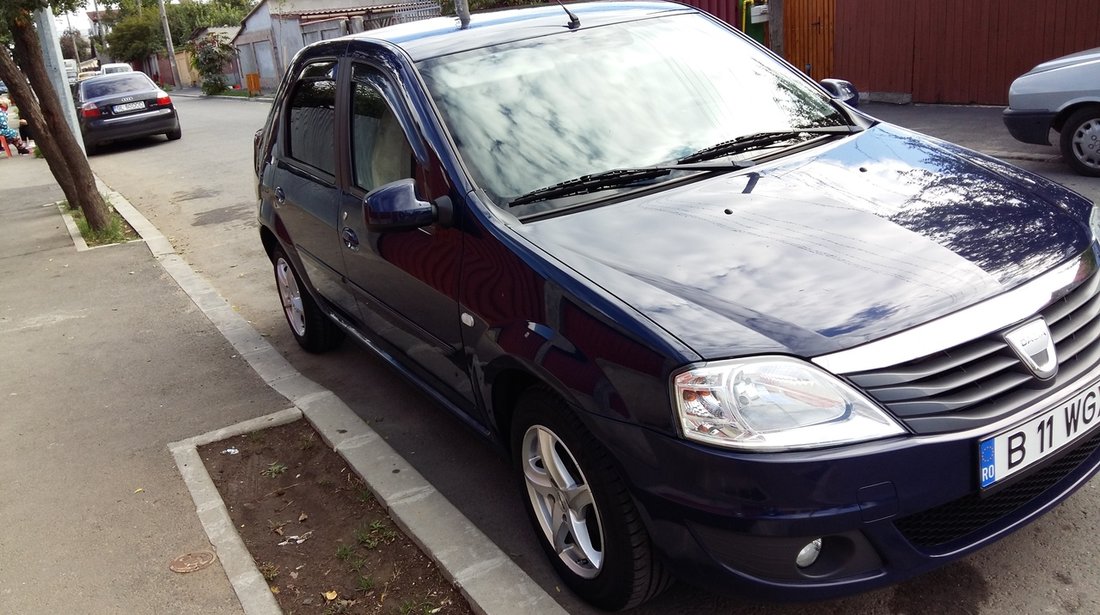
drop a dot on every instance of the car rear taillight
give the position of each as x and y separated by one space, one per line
89 110
163 99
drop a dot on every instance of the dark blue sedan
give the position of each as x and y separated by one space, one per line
727 327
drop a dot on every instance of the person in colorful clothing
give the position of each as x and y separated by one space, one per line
11 134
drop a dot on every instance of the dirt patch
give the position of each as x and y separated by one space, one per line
317 534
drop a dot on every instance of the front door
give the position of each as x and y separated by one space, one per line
406 282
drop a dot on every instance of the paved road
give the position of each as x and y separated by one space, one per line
199 192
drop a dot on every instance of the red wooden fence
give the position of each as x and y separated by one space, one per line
952 51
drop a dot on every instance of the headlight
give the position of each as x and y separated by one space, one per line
1094 222
774 404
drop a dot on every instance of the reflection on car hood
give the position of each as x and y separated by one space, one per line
1081 57
825 249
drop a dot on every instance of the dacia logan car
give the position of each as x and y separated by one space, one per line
727 327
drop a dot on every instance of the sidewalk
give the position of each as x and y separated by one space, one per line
115 355
104 362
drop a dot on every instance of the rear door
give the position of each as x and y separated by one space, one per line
304 187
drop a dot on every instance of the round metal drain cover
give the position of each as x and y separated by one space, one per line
190 562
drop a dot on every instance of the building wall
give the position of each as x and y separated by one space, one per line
256 50
189 77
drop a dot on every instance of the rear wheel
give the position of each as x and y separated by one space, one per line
174 134
582 511
311 328
1080 140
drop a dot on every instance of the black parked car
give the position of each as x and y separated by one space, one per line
726 326
124 106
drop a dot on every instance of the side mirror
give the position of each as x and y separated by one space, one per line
842 90
394 207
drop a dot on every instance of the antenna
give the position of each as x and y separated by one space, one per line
574 22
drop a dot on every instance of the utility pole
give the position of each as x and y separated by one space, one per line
171 48
72 38
775 26
51 56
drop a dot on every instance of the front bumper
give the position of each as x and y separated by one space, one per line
886 510
1029 126
157 121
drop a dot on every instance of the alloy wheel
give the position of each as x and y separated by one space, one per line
291 296
563 503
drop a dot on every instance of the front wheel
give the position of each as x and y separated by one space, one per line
582 511
311 328
1080 140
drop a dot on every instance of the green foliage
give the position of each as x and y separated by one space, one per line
184 19
136 37
114 233
274 469
82 49
209 55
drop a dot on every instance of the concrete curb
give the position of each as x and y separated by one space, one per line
74 231
249 585
1024 156
491 582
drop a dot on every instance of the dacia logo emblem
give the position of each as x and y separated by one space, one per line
1034 345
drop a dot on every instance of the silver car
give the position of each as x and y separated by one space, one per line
1063 94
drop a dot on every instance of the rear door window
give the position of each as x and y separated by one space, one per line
311 122
122 85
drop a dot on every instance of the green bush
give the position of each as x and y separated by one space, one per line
209 55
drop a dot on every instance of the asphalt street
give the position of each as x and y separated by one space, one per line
200 193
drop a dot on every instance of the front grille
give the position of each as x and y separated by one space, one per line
980 381
969 514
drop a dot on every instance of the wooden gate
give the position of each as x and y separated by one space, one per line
808 33
947 51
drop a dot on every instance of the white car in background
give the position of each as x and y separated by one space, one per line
118 67
1063 94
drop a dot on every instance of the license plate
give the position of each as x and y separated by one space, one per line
1029 442
129 107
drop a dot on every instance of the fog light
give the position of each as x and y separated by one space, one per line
808 555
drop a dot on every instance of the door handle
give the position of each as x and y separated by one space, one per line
350 239
280 196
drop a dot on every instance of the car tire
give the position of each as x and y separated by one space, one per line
174 134
1080 141
90 148
311 328
603 550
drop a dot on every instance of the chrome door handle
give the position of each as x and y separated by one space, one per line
280 196
350 239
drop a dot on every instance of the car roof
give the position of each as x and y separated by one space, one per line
441 35
112 76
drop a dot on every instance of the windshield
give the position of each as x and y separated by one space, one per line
538 112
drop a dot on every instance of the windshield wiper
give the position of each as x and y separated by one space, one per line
760 140
615 178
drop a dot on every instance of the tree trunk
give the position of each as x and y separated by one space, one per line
24 98
81 190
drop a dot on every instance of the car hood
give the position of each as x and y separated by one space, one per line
825 249
1081 57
